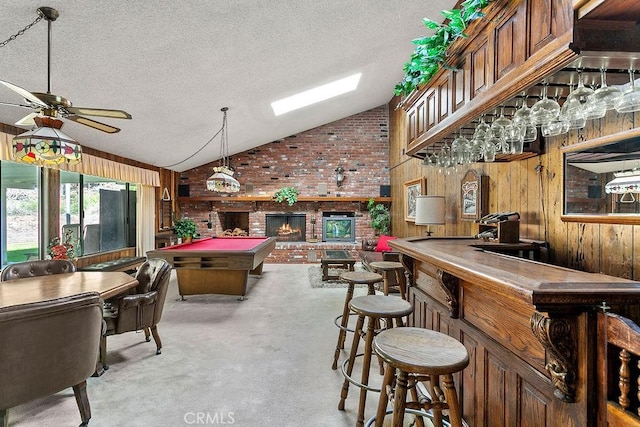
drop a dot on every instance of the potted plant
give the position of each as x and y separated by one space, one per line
185 228
288 194
380 217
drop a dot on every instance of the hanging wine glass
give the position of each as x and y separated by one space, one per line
428 160
630 99
481 129
499 125
523 118
459 146
545 110
607 94
488 151
572 112
514 138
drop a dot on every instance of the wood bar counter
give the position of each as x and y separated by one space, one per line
530 329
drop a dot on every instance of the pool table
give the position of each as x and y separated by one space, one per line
218 265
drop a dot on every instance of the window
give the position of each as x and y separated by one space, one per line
98 213
20 211
109 214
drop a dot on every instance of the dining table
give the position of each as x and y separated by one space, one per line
43 288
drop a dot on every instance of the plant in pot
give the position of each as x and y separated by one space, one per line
288 194
380 217
185 228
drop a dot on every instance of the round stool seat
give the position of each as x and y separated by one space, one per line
421 351
361 277
381 306
387 269
386 265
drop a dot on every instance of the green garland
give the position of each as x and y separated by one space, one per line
431 51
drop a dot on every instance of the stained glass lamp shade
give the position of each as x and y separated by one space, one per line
46 144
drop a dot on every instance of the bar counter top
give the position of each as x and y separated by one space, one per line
538 283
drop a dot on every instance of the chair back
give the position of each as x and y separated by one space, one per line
21 270
618 359
48 346
154 275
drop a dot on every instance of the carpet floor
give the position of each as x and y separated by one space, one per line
265 361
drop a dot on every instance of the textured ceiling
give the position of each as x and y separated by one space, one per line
174 65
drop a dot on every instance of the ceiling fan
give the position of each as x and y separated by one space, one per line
50 105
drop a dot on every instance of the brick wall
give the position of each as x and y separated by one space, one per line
360 144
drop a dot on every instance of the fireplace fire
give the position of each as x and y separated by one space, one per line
286 227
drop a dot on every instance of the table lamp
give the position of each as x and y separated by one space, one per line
429 210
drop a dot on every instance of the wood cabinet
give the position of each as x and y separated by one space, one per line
530 329
518 45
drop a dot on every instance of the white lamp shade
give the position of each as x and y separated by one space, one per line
430 210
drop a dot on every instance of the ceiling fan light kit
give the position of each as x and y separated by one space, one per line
47 144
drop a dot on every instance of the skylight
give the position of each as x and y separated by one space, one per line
315 95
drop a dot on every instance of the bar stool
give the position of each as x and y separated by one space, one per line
352 278
387 268
374 308
416 354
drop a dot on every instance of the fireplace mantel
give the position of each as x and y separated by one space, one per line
332 199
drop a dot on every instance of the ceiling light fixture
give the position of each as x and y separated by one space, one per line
46 144
315 95
222 180
624 183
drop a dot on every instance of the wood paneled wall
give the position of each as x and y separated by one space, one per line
532 187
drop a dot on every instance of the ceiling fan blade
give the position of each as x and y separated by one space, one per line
92 123
11 104
27 120
99 112
25 94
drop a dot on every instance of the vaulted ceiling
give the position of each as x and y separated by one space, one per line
174 65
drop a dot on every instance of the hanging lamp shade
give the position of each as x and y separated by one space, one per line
222 180
624 182
46 144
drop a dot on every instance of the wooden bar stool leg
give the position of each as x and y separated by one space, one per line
352 358
387 385
452 400
436 396
344 322
368 350
399 398
402 283
416 398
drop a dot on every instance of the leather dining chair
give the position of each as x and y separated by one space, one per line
21 270
141 309
48 346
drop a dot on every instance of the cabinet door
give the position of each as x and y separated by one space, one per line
509 40
480 68
548 19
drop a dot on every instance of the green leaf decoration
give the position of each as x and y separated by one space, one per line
431 51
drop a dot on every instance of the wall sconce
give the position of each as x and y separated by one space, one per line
339 176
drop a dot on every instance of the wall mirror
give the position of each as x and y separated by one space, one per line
602 179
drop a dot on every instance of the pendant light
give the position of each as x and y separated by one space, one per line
46 144
222 180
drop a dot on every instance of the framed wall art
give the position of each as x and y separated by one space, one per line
413 189
474 191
